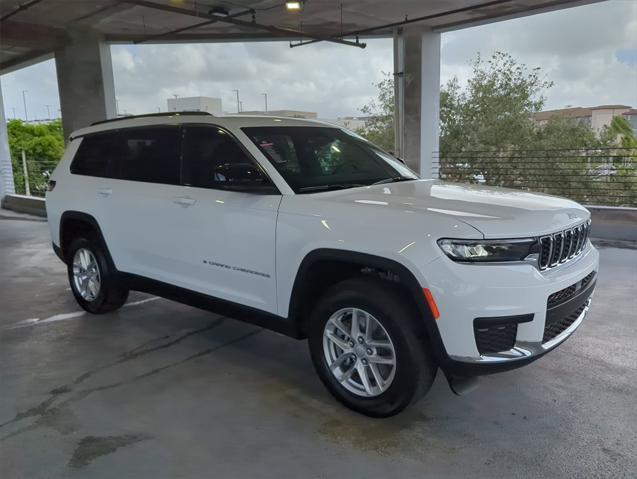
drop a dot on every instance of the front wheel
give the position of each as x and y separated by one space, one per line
93 281
366 350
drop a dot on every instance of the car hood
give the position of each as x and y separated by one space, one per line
495 212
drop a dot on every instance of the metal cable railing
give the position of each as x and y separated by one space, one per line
32 176
597 176
600 176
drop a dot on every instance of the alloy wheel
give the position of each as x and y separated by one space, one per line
86 274
359 352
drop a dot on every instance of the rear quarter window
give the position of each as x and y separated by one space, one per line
137 154
97 155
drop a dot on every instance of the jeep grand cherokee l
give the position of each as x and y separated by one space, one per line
307 229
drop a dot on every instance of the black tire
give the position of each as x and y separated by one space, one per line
415 367
112 295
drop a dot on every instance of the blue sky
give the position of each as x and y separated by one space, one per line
627 56
589 52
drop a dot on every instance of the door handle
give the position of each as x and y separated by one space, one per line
184 201
105 192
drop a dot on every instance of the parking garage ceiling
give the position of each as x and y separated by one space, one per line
30 30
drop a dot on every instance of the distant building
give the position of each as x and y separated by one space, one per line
597 117
631 117
196 103
350 122
309 115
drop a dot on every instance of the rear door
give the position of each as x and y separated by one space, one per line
89 186
139 221
225 220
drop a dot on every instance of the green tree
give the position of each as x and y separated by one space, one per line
379 128
43 145
484 126
495 110
622 167
563 133
619 133
488 135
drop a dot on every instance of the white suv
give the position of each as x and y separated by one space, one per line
307 229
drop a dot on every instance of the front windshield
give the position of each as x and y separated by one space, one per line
314 159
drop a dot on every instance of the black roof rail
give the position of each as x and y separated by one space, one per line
151 115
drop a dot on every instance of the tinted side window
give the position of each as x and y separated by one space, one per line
213 159
137 154
98 155
150 155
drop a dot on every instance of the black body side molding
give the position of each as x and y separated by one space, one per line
210 303
182 295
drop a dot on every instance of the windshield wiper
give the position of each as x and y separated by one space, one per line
335 186
393 179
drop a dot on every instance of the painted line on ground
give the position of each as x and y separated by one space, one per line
67 316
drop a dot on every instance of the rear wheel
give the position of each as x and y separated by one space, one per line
365 348
93 281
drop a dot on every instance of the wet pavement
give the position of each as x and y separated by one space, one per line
158 389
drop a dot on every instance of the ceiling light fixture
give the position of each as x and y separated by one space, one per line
293 6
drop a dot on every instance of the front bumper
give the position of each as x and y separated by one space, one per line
465 293
522 350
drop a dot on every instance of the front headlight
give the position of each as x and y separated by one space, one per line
476 251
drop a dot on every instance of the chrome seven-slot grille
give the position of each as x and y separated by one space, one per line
559 247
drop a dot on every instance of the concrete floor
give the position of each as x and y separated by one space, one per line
163 390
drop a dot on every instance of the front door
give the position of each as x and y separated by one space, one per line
225 222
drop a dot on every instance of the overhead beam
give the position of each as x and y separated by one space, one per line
407 21
510 15
277 31
24 61
152 38
29 35
199 37
101 13
20 8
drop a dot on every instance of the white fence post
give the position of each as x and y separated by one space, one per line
26 174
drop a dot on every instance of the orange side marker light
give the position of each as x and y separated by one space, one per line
431 303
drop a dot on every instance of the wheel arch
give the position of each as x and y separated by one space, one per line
73 224
319 262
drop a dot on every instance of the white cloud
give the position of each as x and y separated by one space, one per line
40 83
577 48
331 80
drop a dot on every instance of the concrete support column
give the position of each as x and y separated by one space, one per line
85 80
417 97
6 171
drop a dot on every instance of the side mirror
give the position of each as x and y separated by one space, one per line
239 174
243 177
